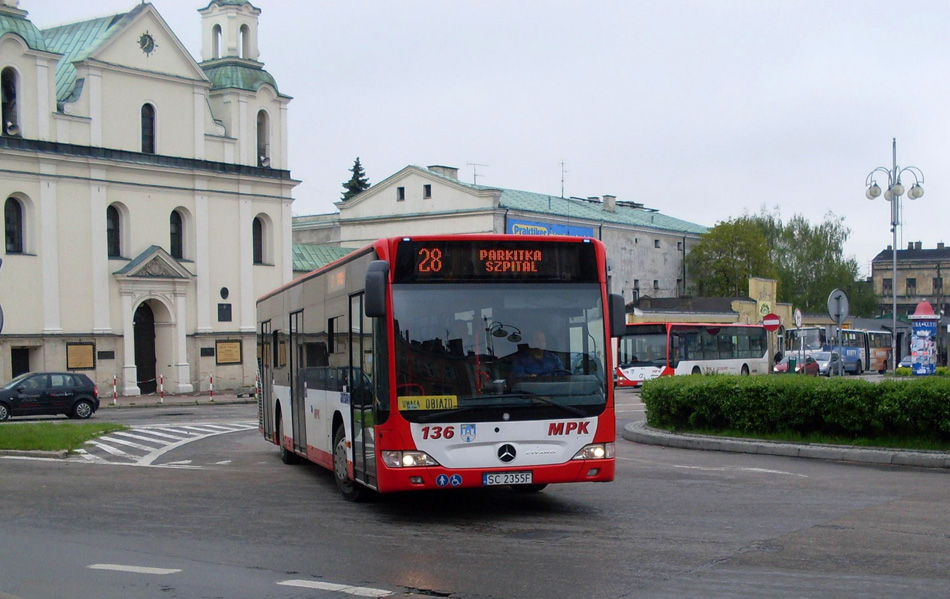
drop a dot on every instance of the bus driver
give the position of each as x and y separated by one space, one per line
537 360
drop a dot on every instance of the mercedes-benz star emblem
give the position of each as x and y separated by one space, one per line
506 453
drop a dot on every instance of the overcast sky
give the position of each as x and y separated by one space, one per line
703 110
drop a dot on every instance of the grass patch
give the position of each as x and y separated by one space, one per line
52 436
817 439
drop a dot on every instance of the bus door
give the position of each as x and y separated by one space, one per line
360 387
265 409
298 408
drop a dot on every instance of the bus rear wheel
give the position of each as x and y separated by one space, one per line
696 370
350 490
745 370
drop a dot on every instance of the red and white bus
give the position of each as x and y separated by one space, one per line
650 350
397 366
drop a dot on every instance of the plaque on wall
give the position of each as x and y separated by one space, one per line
80 356
228 352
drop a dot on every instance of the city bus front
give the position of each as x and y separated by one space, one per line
499 359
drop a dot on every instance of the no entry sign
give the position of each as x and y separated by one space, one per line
771 322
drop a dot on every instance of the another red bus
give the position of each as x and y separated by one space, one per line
398 366
649 350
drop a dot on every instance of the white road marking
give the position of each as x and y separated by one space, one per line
148 431
139 437
113 439
133 569
112 450
329 586
716 468
223 462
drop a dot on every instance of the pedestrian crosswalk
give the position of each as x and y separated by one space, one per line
144 445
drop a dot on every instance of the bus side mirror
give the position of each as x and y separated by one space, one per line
618 315
377 276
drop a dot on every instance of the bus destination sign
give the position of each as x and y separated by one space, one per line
438 261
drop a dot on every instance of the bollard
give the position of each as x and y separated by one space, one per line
161 388
211 387
115 382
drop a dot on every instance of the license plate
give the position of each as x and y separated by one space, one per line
506 478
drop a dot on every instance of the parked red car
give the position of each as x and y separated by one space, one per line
803 365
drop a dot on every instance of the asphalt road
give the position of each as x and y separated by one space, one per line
221 516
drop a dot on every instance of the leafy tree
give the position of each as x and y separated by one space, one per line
809 262
357 183
727 256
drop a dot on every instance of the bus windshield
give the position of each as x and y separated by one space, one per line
493 351
644 345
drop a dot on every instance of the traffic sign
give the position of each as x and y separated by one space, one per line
838 306
798 318
771 322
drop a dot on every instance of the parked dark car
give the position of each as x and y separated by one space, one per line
42 393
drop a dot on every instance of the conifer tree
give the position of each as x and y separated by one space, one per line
357 183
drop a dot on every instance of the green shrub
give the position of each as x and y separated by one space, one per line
843 407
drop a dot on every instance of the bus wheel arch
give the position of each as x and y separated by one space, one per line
696 370
745 370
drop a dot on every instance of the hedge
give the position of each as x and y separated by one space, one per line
850 407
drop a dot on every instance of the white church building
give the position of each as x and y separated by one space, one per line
146 198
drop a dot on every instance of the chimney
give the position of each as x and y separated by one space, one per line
610 203
446 171
939 245
917 245
910 245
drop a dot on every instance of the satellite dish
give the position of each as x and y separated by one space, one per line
11 128
265 161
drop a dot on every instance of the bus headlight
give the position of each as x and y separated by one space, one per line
407 459
596 451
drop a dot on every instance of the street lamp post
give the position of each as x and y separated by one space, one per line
895 189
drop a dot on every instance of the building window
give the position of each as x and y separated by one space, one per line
113 232
263 139
938 285
679 288
13 226
216 41
887 286
911 286
148 129
426 192
245 41
679 246
656 243
176 236
10 125
656 285
400 194
258 240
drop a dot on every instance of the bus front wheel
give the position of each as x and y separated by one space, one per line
286 456
745 370
350 490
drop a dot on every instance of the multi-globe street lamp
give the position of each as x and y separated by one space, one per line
895 189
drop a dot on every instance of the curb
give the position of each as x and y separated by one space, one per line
175 402
17 453
639 432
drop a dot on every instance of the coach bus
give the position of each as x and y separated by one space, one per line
401 366
650 350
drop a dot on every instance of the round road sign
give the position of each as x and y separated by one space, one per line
771 322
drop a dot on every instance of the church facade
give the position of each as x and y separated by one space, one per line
146 198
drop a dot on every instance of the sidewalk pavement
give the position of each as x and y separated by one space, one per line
639 432
155 400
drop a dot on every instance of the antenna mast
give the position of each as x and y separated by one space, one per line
475 166
562 179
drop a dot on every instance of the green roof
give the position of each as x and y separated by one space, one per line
309 257
24 28
237 74
626 213
78 41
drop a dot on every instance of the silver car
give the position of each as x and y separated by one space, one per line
829 363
